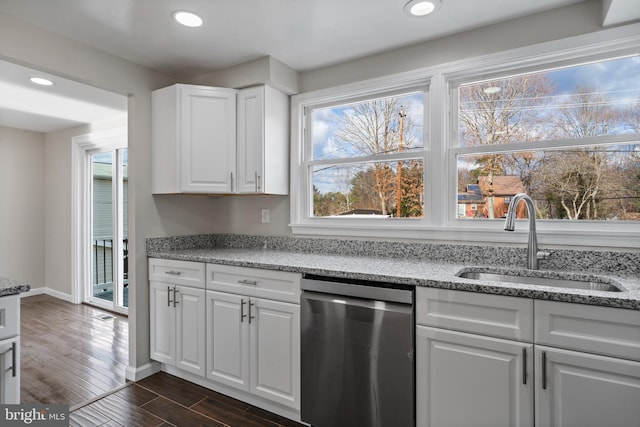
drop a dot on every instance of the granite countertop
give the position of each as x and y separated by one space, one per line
410 271
12 287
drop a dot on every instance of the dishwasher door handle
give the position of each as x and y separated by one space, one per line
324 299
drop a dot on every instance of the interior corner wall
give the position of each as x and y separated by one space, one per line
22 206
149 216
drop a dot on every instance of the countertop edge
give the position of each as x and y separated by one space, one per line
375 269
12 287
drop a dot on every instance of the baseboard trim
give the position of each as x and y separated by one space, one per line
144 371
47 291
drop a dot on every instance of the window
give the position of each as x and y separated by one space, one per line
566 136
366 157
560 122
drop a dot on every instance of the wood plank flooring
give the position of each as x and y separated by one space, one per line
70 353
165 400
74 354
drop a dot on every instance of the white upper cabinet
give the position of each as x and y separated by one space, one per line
263 141
212 140
194 134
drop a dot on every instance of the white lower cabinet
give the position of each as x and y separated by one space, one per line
10 349
177 314
253 345
10 371
178 329
235 330
467 378
577 389
470 380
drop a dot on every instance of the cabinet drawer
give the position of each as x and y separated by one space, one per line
185 273
255 282
492 315
9 316
601 330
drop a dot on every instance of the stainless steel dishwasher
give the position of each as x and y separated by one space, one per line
357 363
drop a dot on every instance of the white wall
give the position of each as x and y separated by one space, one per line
242 214
22 208
581 18
148 216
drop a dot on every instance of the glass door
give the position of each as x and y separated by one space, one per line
108 286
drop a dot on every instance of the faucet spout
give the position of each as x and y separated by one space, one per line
533 254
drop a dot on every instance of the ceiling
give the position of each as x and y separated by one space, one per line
304 34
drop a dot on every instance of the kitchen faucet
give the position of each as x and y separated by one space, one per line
533 254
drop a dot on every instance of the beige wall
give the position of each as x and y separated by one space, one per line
22 208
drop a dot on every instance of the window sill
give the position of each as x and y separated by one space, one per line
556 234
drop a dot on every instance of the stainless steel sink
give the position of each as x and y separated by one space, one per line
605 285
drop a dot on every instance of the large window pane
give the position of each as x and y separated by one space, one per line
369 190
368 128
586 183
588 100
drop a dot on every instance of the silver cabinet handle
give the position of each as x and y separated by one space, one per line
259 181
14 353
544 370
251 304
14 356
256 180
524 366
248 282
169 296
173 272
175 297
242 315
231 182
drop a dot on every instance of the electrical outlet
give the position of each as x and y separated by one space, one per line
265 216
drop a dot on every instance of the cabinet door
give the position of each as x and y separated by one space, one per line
190 329
10 371
207 139
576 389
275 351
250 139
470 380
228 339
162 322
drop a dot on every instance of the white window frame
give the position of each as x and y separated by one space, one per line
440 222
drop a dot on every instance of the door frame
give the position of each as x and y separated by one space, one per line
80 212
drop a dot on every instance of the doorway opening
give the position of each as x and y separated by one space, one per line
102 240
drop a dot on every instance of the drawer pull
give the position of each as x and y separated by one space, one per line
248 282
173 273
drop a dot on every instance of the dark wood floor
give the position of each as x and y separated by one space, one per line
77 355
165 400
70 353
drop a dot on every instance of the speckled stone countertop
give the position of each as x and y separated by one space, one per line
12 287
418 264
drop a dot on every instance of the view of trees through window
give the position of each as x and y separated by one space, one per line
366 158
577 128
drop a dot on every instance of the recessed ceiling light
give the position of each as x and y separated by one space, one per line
41 81
422 7
188 19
